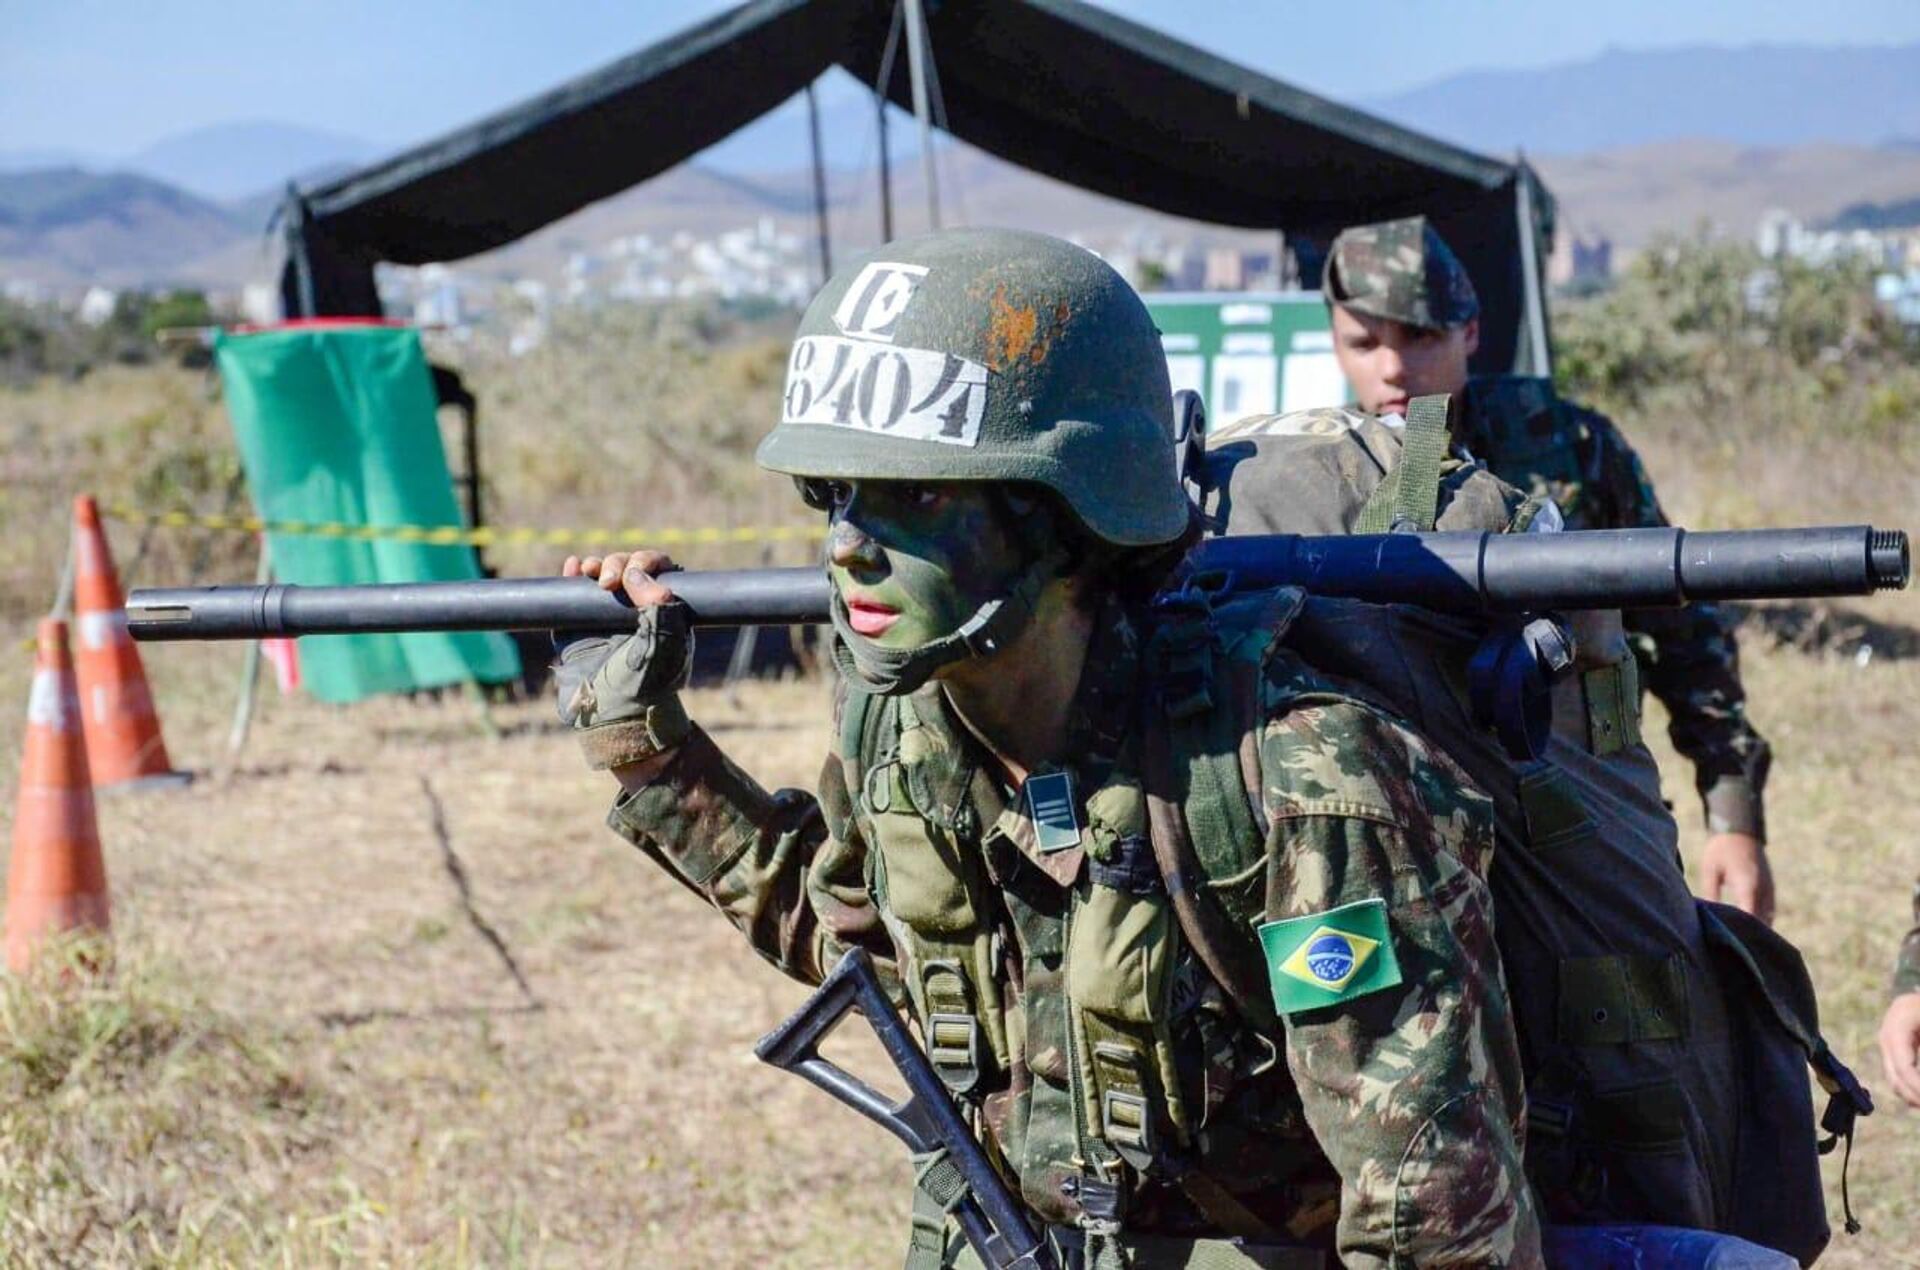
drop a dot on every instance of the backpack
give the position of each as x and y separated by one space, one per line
1664 1038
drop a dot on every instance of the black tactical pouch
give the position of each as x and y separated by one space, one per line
1776 1195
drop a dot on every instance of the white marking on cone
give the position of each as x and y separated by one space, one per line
103 630
128 699
52 703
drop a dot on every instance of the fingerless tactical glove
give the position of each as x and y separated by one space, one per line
621 694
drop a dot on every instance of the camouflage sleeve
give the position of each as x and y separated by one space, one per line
1413 1087
785 868
1906 968
1691 663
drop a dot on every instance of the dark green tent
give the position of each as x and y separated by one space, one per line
1057 86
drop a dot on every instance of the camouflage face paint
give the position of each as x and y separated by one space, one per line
914 561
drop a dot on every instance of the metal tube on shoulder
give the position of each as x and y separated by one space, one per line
1449 572
1582 569
746 597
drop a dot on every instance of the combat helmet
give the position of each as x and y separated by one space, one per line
984 355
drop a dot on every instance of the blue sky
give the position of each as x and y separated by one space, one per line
107 78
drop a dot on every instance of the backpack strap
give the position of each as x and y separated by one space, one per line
1410 494
1207 929
1199 768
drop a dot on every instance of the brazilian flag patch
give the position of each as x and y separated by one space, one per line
1326 958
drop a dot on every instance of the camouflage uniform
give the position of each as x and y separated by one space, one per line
1414 1099
1130 1099
1403 271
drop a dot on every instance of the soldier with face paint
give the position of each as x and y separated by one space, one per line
984 418
1405 321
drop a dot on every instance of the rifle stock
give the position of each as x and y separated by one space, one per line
926 1119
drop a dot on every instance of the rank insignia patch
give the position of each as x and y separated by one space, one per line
1050 801
1325 958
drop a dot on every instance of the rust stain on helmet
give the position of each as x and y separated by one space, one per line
1015 333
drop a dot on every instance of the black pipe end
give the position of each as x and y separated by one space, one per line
1889 562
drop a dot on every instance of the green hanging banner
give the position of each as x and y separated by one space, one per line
336 422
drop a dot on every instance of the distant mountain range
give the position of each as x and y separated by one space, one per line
1760 95
66 226
1895 214
1630 142
31 160
220 163
1632 193
233 161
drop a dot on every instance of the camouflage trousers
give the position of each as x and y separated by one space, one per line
1581 1246
1075 1251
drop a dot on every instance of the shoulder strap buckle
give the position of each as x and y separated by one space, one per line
1126 1115
1127 1125
954 1042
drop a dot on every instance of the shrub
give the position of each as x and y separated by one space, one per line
1718 328
1782 379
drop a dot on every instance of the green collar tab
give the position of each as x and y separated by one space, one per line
1323 959
1056 820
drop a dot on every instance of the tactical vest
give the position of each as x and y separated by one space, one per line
1111 1120
1529 437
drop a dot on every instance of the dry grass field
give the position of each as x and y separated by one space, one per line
386 992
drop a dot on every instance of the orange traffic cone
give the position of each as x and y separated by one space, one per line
57 880
123 732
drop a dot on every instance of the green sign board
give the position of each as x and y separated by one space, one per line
1249 352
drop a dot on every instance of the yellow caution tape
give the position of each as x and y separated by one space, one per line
455 535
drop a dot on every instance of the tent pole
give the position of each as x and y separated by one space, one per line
1540 356
881 88
470 433
819 187
886 175
294 208
917 67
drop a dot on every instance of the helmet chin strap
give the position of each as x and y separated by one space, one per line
897 671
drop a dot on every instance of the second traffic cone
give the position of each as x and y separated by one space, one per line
123 731
57 880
